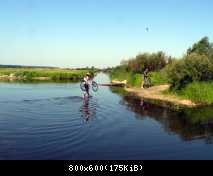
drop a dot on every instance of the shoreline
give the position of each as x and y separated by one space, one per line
15 78
155 95
28 74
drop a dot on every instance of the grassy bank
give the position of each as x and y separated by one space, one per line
189 78
199 92
135 79
52 74
158 78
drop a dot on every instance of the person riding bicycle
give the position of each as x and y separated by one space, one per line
87 83
145 76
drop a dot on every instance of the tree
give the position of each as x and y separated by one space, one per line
202 47
193 67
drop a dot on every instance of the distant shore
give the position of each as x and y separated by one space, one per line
41 74
15 78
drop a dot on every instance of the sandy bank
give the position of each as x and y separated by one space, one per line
155 93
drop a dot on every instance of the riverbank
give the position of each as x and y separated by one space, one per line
155 94
195 94
40 74
161 95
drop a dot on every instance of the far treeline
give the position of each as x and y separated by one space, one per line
191 74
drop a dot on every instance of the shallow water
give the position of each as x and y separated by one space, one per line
53 121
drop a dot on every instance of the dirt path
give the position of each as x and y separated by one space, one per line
155 93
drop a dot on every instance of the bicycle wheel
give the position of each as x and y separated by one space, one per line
94 86
148 82
82 85
145 86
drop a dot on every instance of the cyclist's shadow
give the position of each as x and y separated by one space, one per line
88 109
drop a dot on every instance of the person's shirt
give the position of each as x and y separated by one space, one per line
145 73
87 80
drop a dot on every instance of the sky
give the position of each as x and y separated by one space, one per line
100 33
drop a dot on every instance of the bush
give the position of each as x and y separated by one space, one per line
202 47
193 67
154 61
121 74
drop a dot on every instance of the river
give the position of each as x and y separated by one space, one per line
53 121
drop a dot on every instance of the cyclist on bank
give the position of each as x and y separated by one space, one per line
145 77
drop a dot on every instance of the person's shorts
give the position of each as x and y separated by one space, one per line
86 87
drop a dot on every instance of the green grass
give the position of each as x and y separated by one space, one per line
54 74
158 78
198 92
119 75
133 80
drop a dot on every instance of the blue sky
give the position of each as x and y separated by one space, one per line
78 33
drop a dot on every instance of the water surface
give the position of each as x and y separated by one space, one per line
53 121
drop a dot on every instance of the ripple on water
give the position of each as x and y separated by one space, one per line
52 129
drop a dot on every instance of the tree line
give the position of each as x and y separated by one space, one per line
195 65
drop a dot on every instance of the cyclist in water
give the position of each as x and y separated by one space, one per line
87 83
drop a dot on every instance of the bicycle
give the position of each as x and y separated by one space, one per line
147 82
94 86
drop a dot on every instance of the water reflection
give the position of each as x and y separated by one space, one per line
88 109
144 105
189 124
